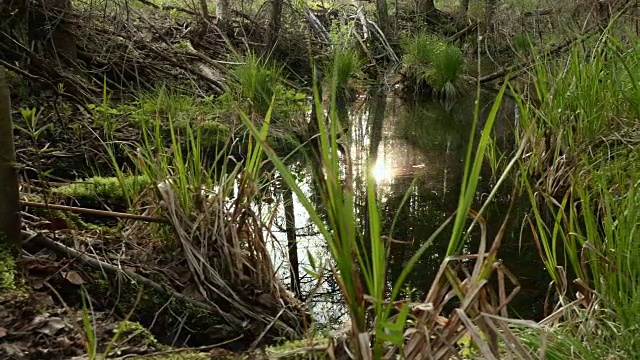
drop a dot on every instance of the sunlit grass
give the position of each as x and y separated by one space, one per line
343 66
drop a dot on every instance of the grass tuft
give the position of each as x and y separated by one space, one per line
432 63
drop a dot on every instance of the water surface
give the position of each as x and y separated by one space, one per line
423 140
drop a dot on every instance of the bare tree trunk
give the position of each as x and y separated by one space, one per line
383 16
463 8
10 204
204 9
275 20
223 12
425 9
292 243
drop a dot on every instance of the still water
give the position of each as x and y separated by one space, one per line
423 140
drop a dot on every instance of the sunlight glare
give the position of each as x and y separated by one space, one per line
382 171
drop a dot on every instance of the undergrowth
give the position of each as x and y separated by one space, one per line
583 176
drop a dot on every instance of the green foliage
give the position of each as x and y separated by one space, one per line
169 103
7 267
164 103
418 50
523 42
257 83
446 68
433 63
345 63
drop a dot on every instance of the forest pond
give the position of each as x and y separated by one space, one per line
423 140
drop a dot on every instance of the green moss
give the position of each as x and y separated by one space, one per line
136 334
214 134
94 192
291 350
7 268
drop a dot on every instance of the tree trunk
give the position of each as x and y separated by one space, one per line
223 12
10 204
204 9
275 19
383 16
292 243
463 8
425 9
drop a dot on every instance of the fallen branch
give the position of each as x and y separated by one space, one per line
510 72
94 212
460 34
513 70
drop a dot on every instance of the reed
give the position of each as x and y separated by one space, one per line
209 205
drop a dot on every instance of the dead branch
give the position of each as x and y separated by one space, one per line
514 70
94 212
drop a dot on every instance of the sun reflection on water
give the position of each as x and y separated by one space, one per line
382 171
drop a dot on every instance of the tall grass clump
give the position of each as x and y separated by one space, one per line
343 67
433 64
257 82
523 43
210 222
583 177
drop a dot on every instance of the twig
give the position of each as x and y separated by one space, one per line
463 32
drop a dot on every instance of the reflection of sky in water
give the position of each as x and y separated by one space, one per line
403 142
326 306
